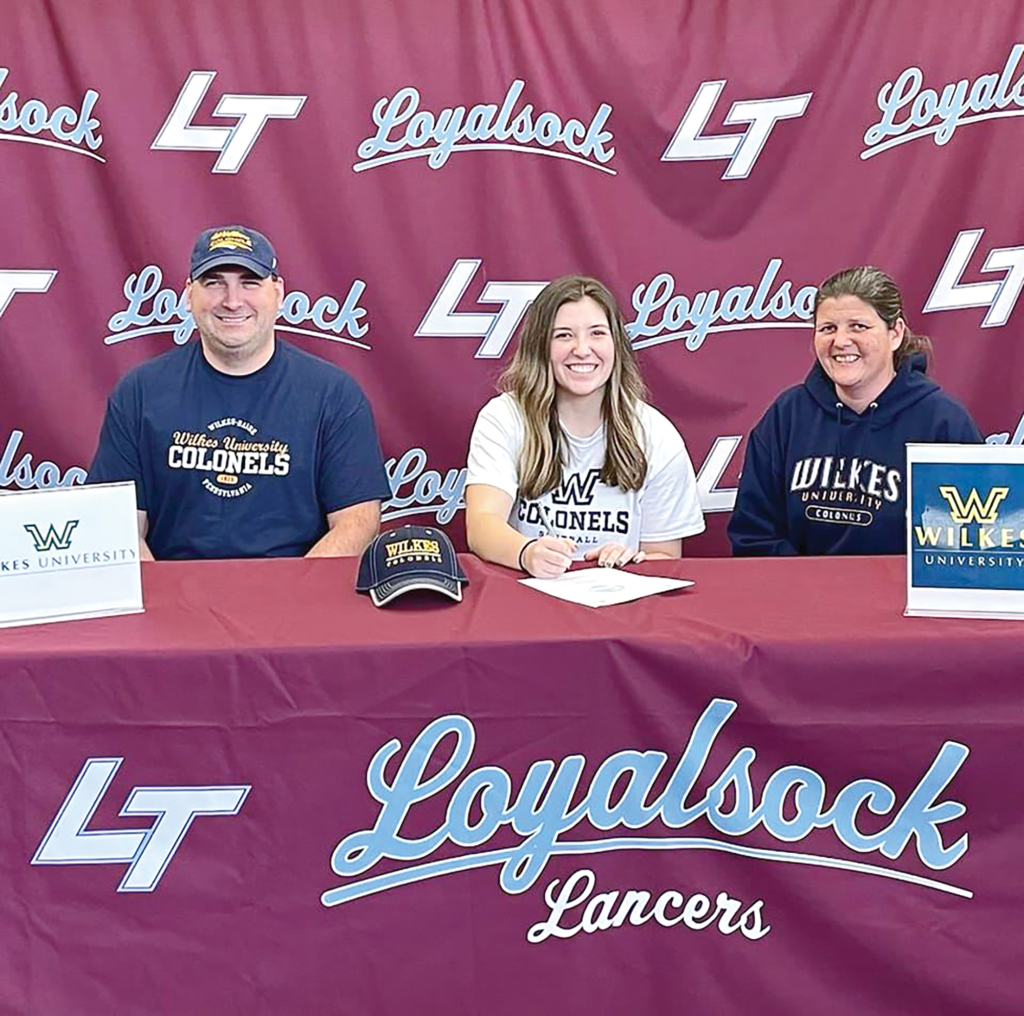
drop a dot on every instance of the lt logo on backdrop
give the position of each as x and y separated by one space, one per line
19 280
949 293
495 329
21 471
689 143
250 113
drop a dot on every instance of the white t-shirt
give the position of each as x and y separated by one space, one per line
583 508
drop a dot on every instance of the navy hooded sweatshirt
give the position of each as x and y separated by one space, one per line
819 478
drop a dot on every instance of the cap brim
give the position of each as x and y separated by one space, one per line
384 592
232 258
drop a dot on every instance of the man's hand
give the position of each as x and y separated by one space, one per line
350 531
145 554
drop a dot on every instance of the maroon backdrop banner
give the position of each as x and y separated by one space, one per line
424 168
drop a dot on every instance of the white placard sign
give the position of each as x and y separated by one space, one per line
965 530
69 553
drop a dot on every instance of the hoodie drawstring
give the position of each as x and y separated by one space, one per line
869 423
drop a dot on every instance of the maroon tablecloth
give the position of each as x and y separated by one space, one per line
770 793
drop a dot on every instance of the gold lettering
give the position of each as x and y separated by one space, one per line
230 238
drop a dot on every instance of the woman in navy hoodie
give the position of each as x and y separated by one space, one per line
824 469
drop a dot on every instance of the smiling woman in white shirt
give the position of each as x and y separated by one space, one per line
570 462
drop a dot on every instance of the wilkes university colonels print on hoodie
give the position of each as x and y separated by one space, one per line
819 478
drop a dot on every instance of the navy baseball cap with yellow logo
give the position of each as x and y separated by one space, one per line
233 245
407 558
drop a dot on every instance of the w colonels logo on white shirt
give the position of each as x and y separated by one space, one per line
228 463
250 113
574 510
577 488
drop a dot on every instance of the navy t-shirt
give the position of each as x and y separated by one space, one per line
248 466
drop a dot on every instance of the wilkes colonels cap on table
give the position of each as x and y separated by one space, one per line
407 558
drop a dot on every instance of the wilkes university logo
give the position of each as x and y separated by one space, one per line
973 509
230 463
967 532
52 539
971 525
416 549
844 491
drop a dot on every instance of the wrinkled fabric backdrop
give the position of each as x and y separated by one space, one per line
424 168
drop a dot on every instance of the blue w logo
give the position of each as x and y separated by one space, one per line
577 489
52 540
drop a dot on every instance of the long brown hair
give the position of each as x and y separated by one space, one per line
530 380
877 289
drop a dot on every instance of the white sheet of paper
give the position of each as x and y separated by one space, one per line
601 587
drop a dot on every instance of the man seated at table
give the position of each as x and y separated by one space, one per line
241 445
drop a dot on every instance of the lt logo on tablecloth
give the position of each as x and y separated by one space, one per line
147 852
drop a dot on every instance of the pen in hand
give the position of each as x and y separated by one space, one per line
551 530
545 515
548 525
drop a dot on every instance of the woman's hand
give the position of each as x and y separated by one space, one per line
547 557
615 555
